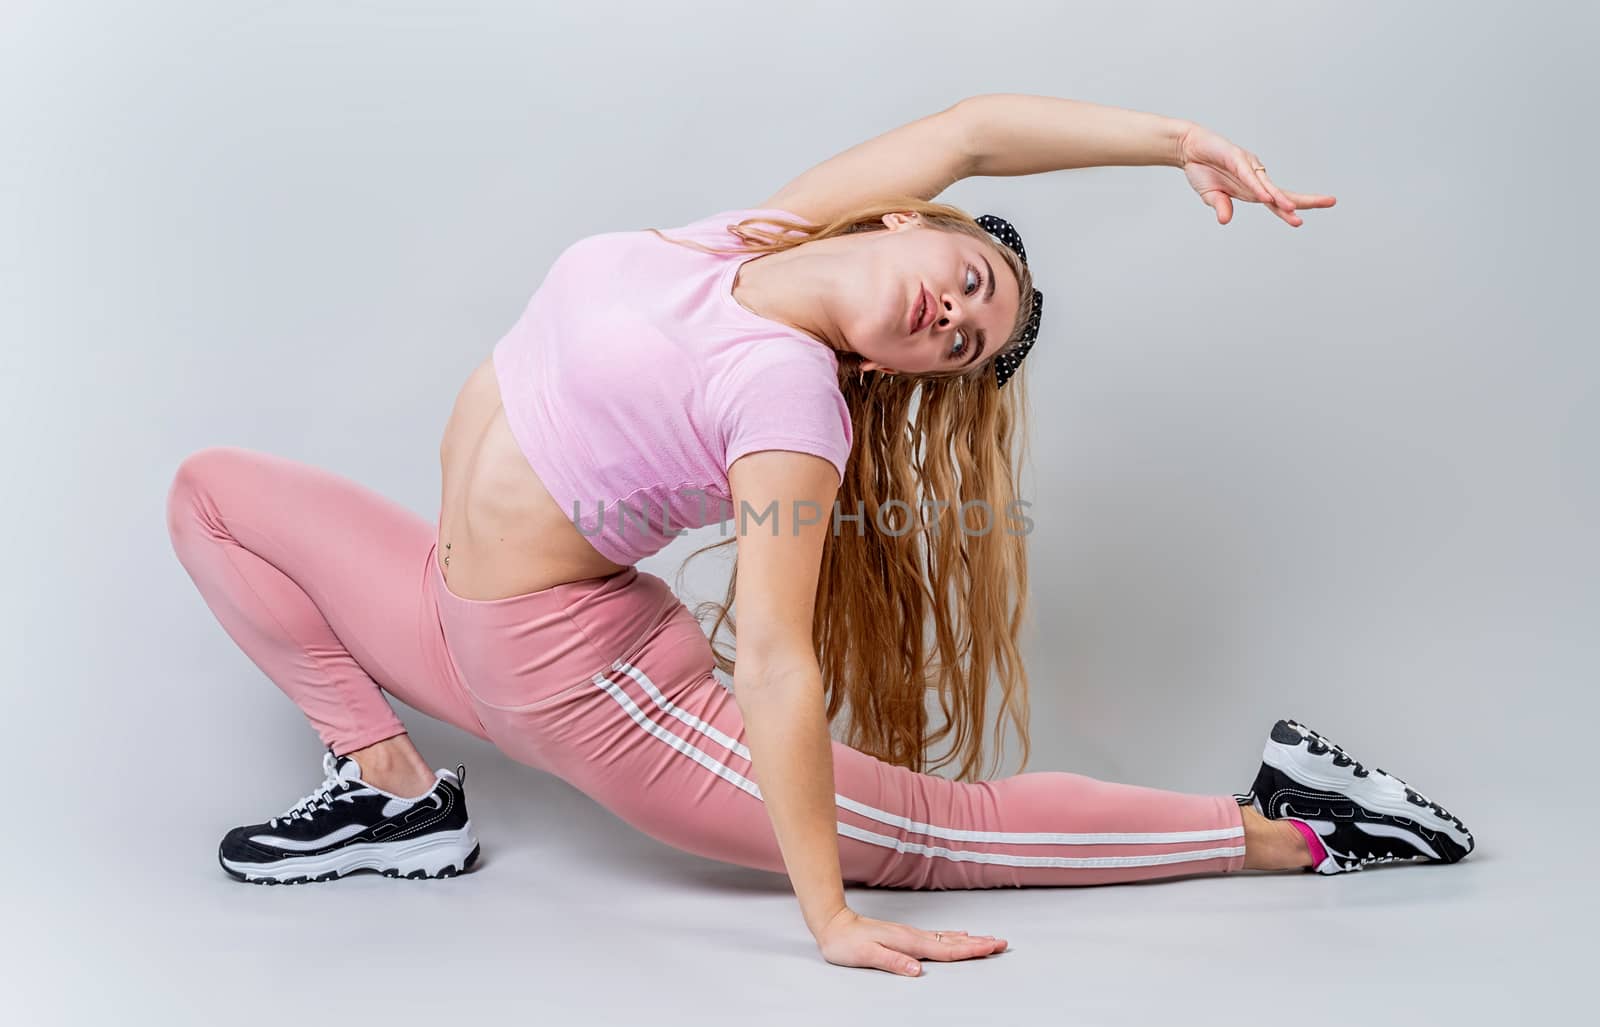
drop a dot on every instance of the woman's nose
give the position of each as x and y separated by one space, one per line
950 310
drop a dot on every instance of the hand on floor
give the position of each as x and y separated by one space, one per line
850 939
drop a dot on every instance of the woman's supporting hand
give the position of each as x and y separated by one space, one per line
849 939
1222 172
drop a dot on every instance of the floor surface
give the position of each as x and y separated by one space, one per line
573 917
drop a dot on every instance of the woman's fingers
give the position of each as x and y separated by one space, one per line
951 949
1285 203
1255 181
952 937
1287 215
1279 197
947 946
1219 201
1299 201
885 958
901 949
1305 201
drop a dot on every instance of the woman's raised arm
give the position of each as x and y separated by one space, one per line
1019 134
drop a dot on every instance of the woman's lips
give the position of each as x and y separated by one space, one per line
919 310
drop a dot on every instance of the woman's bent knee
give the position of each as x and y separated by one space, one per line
194 475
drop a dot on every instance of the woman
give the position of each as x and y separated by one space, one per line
833 365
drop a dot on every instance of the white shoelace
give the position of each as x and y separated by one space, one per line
319 796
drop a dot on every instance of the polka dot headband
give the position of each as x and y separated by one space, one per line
1006 364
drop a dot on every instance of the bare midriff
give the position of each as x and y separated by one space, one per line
501 533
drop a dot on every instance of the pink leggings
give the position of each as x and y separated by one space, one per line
335 593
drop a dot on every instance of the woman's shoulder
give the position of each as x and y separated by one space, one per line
803 363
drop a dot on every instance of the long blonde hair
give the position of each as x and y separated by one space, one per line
880 591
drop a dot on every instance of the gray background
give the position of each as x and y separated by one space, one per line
1345 473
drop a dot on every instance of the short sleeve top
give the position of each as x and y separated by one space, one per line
633 380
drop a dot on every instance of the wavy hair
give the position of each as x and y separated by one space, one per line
912 603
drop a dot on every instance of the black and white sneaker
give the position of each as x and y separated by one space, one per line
347 825
1362 816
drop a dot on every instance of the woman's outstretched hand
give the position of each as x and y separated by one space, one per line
850 939
1222 172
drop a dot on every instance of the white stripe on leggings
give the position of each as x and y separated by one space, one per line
1009 837
953 834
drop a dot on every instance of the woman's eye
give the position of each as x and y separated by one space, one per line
976 280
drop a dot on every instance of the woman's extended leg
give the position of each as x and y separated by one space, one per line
324 585
657 740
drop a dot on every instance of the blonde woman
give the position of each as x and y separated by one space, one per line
829 375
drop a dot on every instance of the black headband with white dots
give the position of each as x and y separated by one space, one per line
1006 364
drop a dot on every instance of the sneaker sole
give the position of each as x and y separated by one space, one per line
445 854
1379 792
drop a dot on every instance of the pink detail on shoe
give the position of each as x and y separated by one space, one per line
1318 853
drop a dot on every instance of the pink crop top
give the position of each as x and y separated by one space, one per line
634 379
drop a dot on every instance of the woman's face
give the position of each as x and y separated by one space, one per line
970 294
